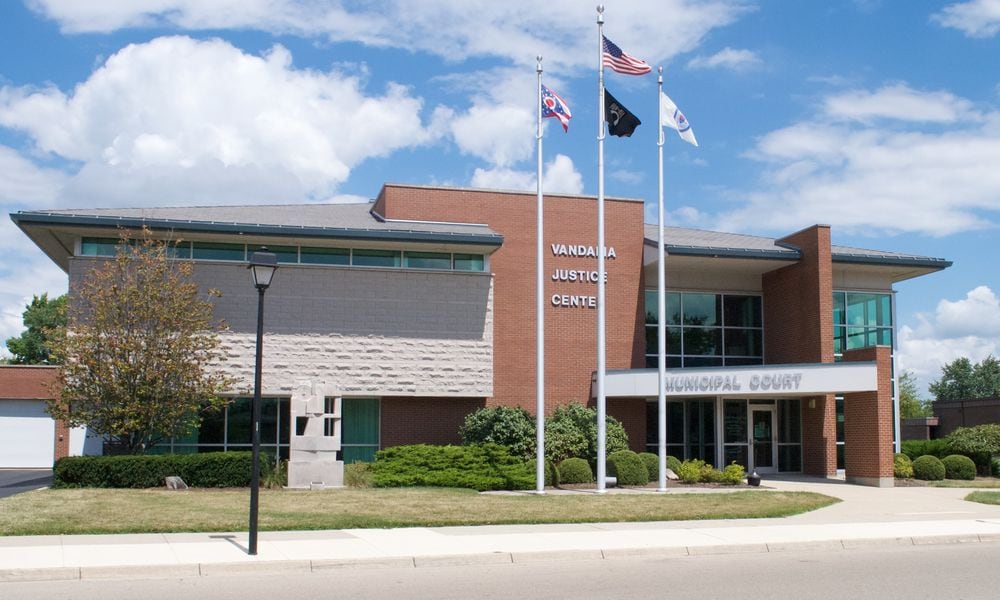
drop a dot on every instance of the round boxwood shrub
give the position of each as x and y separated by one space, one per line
583 420
690 471
902 466
673 463
733 474
957 466
628 468
928 468
575 470
652 463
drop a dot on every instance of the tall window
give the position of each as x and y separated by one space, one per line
707 330
230 429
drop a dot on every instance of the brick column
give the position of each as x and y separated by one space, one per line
868 449
62 439
798 328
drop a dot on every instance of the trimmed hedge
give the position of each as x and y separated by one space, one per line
628 468
209 469
928 468
673 463
902 466
575 470
478 466
917 448
509 426
958 466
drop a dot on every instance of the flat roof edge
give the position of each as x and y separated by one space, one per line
250 228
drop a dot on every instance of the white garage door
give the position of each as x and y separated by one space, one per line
27 434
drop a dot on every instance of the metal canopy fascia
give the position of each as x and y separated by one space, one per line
769 381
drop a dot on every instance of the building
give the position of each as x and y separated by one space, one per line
389 322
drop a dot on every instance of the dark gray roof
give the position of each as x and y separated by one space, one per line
300 220
680 241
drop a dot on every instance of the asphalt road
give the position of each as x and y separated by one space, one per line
905 572
15 481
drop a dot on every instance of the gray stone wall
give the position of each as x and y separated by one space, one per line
355 331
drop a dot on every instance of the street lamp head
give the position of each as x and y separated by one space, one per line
262 266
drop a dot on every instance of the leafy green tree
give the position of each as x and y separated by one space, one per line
136 357
43 318
911 405
962 379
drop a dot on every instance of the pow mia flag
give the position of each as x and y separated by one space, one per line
621 122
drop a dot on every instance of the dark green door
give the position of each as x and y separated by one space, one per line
360 426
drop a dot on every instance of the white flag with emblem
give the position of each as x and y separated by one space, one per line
674 119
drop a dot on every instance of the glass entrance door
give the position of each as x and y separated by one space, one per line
762 435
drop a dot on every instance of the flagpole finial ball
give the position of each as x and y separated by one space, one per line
659 70
600 8
539 58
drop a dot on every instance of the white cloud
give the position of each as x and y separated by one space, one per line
977 18
654 30
175 119
969 327
21 181
559 177
899 101
727 58
877 178
501 134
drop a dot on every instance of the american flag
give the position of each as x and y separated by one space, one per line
620 62
554 106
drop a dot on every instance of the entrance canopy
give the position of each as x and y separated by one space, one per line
769 381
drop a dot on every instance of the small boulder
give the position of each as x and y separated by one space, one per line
671 475
175 483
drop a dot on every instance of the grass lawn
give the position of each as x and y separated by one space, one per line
984 497
77 511
978 482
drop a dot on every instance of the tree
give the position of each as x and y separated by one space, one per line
137 351
962 380
43 318
911 405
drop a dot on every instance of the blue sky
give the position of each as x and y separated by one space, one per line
879 118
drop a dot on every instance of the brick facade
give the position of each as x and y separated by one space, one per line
424 420
798 328
570 336
868 447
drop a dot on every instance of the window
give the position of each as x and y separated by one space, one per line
861 319
214 251
359 429
230 429
375 258
468 262
707 330
427 260
325 256
98 246
285 254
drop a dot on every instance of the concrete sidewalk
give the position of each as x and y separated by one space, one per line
866 517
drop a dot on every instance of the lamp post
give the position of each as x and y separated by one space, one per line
262 266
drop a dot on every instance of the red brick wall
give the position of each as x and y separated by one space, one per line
23 382
798 328
570 333
424 420
632 414
868 418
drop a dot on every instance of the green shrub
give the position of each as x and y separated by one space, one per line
733 474
508 426
210 469
358 475
690 471
902 466
628 468
552 475
917 448
564 440
575 470
995 468
584 420
980 443
273 473
958 466
928 468
652 463
673 463
477 466
710 474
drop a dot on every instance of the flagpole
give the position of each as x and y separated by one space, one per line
661 289
539 307
601 359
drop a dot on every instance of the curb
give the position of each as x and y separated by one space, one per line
450 560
